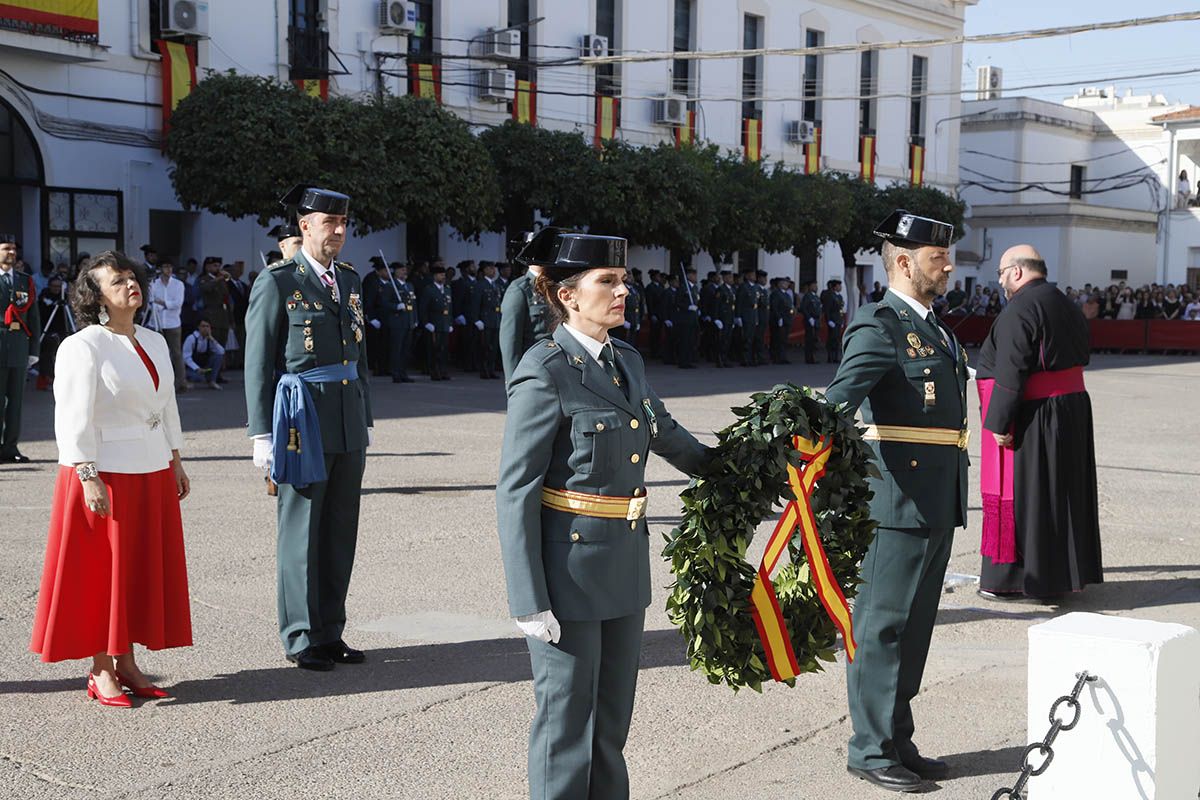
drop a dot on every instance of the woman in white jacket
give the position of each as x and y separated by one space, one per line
115 572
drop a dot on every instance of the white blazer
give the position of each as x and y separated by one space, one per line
106 408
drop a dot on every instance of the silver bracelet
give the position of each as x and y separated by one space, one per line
86 472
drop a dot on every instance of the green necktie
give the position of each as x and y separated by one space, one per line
610 368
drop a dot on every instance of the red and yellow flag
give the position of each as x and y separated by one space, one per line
812 154
866 158
314 87
764 605
178 76
425 80
752 138
524 107
608 118
917 159
71 17
686 133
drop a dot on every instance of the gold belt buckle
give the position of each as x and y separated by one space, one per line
964 438
637 508
14 326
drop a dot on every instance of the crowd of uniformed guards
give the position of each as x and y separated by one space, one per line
431 315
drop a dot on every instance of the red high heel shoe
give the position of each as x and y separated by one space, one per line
93 692
151 692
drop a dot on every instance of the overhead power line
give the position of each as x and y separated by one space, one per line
902 44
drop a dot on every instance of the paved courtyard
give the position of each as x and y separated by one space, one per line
441 709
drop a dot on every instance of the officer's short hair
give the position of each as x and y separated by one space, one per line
892 251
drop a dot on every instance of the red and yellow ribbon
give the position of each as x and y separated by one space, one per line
768 618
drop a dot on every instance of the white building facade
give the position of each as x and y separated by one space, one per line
1086 181
82 114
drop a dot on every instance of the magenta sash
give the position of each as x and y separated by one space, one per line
999 541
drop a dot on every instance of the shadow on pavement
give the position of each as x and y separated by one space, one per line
986 762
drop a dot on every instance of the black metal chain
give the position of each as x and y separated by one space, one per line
1045 746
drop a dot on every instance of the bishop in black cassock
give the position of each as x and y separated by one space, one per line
1041 533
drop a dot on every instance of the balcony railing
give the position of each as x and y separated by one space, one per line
308 53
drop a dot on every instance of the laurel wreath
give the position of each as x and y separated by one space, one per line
710 598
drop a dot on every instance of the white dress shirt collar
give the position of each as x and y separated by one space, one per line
594 348
923 310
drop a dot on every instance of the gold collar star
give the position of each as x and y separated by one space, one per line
577 359
616 381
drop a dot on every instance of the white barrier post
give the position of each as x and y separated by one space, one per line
1138 736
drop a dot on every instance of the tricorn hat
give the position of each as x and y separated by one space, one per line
904 228
562 253
148 248
308 199
288 230
8 238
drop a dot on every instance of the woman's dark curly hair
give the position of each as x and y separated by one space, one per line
86 299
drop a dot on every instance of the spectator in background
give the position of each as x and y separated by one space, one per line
1183 190
1126 305
42 279
976 302
1156 304
1091 306
1171 305
956 300
878 292
1144 309
166 307
994 307
204 356
214 292
57 324
1192 312
1109 303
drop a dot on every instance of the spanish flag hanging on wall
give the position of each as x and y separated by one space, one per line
524 107
916 160
608 118
67 17
866 158
425 80
178 76
752 138
686 133
314 88
812 154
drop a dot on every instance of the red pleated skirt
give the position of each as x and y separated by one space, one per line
110 582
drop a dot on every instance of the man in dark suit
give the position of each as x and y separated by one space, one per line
908 374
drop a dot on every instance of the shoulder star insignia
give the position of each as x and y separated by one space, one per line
616 381
577 359
904 313
551 345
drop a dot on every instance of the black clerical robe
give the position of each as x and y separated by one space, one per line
1033 357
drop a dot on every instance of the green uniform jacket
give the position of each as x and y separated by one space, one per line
890 355
764 306
436 304
724 301
292 326
633 307
782 308
17 346
568 427
484 303
747 305
396 305
524 320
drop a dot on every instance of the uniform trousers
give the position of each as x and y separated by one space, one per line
399 341
318 531
812 335
584 687
749 348
12 388
894 614
489 351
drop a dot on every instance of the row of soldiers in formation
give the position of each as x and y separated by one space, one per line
725 319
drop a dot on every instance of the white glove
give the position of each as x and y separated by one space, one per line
780 324
370 437
670 324
833 324
706 318
691 308
449 329
720 325
479 324
429 327
263 452
541 625
626 325
812 321
376 324
33 360
460 320
737 322
653 318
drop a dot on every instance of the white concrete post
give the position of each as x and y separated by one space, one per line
1139 729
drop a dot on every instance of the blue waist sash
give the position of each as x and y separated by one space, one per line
298 456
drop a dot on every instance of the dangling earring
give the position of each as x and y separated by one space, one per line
103 315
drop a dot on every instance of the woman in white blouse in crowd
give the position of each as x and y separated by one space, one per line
115 572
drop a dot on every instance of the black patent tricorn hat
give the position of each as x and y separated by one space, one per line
288 230
904 228
562 253
307 199
8 238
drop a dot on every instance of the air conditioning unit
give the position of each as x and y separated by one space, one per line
504 45
497 85
397 17
184 18
988 81
801 131
670 109
593 46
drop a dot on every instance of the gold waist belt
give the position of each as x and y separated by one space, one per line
908 434
594 505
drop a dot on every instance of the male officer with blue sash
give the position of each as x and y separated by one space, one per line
311 425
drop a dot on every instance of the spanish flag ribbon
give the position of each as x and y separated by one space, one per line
866 158
917 159
686 133
313 87
178 76
69 16
524 107
812 154
752 138
608 118
425 80
764 605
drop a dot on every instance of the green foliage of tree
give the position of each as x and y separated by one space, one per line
740 192
804 211
541 171
868 207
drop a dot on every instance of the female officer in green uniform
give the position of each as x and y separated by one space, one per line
571 503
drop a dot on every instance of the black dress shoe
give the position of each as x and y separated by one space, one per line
894 778
341 653
1004 597
931 769
313 658
14 458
